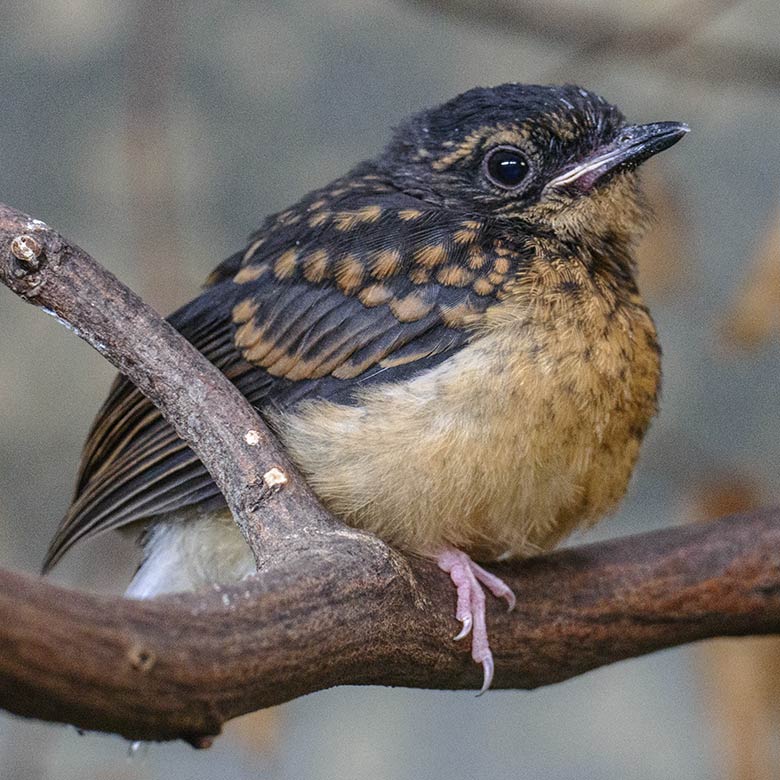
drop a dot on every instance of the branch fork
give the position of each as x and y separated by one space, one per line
330 605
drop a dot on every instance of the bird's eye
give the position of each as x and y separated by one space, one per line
506 166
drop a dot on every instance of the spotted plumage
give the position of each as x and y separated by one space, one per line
371 294
449 340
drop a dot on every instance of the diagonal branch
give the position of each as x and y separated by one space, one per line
330 605
213 417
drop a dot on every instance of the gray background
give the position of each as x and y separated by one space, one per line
158 135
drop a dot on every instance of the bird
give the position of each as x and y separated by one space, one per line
449 341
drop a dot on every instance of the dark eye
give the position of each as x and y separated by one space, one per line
506 166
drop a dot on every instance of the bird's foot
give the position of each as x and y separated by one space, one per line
470 610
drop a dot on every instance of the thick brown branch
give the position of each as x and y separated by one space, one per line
349 610
331 605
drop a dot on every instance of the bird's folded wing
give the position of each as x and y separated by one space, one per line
366 295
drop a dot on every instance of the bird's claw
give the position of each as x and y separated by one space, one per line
465 630
470 611
487 668
495 585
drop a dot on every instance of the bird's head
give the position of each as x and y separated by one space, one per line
560 158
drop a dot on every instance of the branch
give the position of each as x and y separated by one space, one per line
351 611
269 499
330 605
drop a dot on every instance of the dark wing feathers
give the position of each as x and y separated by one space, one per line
343 291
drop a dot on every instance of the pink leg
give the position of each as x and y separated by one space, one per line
470 609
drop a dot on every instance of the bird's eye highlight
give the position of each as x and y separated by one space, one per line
506 167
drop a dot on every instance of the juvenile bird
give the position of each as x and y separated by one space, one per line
448 340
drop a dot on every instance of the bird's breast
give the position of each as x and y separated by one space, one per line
530 430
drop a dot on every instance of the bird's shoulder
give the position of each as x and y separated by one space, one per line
359 275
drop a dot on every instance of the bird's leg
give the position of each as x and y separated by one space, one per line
470 610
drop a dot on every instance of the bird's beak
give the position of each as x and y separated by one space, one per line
633 145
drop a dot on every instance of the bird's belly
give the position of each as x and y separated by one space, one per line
504 448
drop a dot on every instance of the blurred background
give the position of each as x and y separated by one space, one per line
157 135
